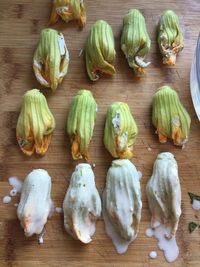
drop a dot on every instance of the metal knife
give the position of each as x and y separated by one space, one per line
195 79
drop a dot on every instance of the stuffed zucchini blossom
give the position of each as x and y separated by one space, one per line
164 193
68 10
35 124
82 204
122 203
80 123
120 131
100 50
169 116
170 38
51 59
135 41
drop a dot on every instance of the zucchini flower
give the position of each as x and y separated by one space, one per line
51 59
100 50
170 38
169 117
135 41
35 204
82 204
164 193
122 203
80 123
35 124
68 10
120 131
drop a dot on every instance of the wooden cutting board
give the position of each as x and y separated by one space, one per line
20 26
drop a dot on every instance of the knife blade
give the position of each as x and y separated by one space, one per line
195 79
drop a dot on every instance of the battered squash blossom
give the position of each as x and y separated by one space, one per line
68 10
80 123
122 203
100 50
82 204
120 131
51 59
36 205
35 124
135 41
164 193
169 117
170 38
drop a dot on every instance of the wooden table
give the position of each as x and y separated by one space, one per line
20 25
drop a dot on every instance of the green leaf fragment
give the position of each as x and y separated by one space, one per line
193 197
192 226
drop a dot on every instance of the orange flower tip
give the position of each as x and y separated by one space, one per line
168 62
162 138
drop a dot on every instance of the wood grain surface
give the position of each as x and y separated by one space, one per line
20 25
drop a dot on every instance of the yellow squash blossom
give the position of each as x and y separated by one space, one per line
135 41
120 131
170 38
35 124
68 10
51 59
80 123
100 50
169 117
